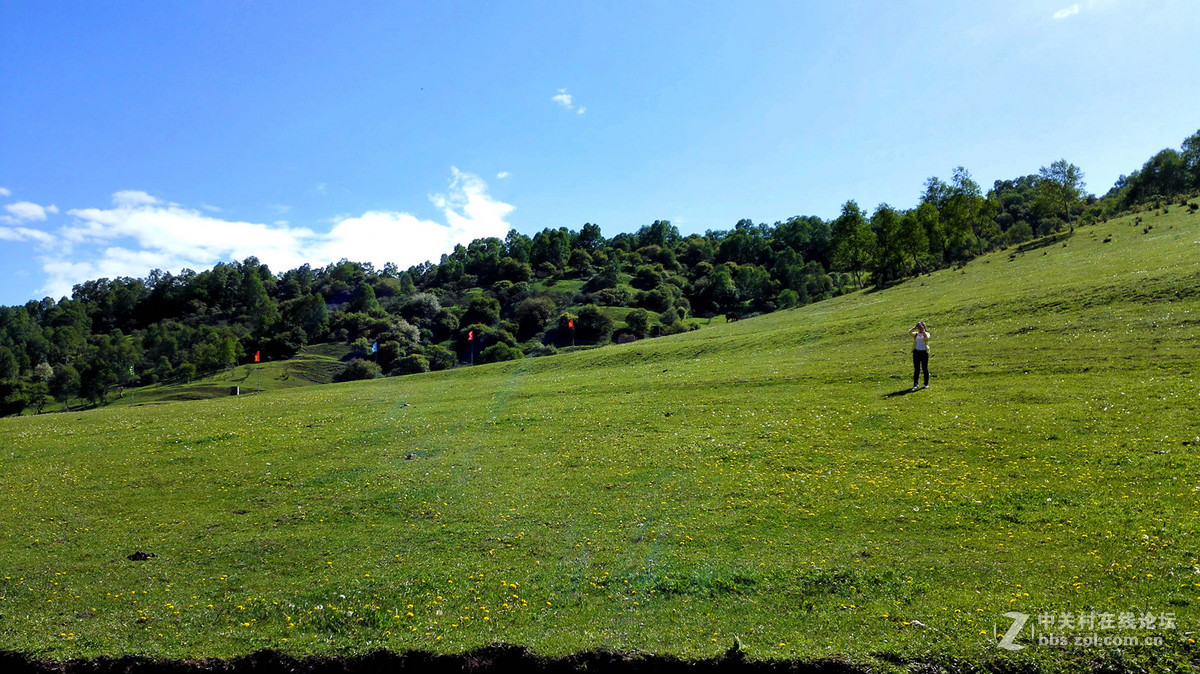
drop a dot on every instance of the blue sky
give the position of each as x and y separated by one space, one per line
136 135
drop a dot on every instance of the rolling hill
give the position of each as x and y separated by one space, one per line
770 480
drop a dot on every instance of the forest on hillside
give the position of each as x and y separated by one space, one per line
525 296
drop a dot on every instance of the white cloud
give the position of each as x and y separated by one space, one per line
470 212
563 99
140 233
567 101
503 174
1067 11
134 198
25 234
5 192
26 211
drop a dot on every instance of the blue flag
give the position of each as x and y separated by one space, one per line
374 347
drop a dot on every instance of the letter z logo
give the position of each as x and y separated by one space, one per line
1019 620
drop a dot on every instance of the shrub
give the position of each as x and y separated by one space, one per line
1018 233
638 321
537 349
389 353
359 369
786 299
592 326
13 397
619 296
410 365
657 300
500 352
439 357
186 372
532 314
484 310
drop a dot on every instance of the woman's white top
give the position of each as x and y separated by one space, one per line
919 344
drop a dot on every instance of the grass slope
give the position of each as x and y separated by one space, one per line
765 480
317 364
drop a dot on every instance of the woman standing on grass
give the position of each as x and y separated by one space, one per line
920 352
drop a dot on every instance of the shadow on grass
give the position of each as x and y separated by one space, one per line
497 658
505 658
901 392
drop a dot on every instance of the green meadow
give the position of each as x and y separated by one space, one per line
770 480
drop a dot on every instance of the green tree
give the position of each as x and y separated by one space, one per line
253 303
38 394
518 246
962 214
8 364
107 362
407 287
533 314
217 350
911 238
638 321
593 326
580 261
186 372
13 397
589 238
389 352
550 247
163 371
512 269
1191 159
440 358
482 309
787 298
720 292
307 313
661 233
753 285
888 261
1060 189
930 220
853 242
363 299
64 384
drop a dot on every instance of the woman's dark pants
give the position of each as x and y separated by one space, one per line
920 362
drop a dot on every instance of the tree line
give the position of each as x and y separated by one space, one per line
526 295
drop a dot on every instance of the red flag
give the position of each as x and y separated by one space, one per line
571 323
256 356
470 335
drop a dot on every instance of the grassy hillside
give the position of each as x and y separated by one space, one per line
769 480
317 364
